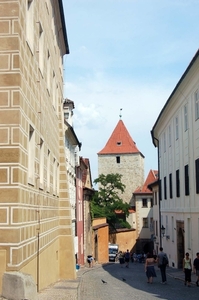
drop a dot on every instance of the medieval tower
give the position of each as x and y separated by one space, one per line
121 155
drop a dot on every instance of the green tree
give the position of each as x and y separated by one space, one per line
106 201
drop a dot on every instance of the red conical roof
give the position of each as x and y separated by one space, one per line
120 142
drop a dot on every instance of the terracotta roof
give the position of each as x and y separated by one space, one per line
119 211
120 142
100 226
152 176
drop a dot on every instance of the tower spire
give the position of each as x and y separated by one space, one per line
120 115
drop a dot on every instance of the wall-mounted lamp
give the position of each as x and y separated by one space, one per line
154 238
162 230
167 237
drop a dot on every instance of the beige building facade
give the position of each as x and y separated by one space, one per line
35 223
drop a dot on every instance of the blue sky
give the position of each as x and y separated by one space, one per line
125 54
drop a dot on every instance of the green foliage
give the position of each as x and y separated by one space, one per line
107 200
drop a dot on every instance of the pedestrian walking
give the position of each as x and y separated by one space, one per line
196 267
90 260
121 258
149 268
187 268
127 258
134 258
163 261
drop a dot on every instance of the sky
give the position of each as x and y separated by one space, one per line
129 55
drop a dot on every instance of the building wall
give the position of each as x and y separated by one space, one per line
125 240
34 204
144 212
180 213
103 244
131 167
79 213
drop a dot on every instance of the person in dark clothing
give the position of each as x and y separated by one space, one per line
162 265
127 258
196 267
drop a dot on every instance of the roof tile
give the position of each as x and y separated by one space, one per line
120 142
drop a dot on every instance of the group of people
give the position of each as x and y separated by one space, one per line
162 261
124 258
187 268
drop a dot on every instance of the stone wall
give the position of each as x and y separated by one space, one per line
131 167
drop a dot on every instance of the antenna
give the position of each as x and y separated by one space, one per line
120 115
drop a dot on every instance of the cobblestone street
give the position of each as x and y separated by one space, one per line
135 285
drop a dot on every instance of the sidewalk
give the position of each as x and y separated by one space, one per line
65 289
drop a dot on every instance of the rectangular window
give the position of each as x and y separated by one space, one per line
145 222
196 97
177 129
177 183
30 23
165 188
185 118
54 176
197 175
41 49
31 155
48 71
169 135
54 90
164 137
57 187
41 164
186 179
118 159
144 202
48 171
170 186
160 189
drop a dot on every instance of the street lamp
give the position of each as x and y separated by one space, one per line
162 230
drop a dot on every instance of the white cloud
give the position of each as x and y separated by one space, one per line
125 54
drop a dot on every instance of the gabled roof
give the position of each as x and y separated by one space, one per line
120 142
86 172
152 176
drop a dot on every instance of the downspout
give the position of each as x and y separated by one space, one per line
159 190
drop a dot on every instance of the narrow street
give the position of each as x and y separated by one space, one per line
124 283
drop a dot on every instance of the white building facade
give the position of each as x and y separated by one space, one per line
176 134
72 148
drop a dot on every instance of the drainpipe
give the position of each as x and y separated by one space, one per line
160 235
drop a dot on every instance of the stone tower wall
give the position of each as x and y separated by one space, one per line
131 167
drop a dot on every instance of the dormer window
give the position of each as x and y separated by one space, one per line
119 143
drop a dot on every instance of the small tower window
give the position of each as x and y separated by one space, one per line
118 159
119 143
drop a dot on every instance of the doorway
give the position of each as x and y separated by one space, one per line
180 243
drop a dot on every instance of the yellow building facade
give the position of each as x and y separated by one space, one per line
35 213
